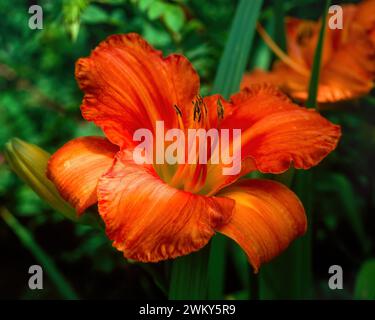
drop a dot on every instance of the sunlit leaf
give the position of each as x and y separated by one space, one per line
156 10
174 17
94 14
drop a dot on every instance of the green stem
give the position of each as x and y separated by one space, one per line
315 73
189 276
216 267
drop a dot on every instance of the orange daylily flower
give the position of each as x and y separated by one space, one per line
154 212
348 62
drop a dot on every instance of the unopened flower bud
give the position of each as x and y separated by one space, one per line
29 162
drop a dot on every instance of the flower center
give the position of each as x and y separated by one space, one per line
199 143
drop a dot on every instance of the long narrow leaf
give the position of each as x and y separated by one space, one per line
231 68
262 56
233 62
280 38
189 276
315 74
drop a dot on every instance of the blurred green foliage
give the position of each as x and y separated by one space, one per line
39 103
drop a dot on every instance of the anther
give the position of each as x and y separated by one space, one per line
178 111
220 109
197 111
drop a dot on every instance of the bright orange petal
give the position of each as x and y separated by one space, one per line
365 15
282 76
302 36
348 65
76 167
347 77
276 134
267 217
150 221
129 85
300 138
259 76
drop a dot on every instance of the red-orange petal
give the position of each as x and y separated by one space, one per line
267 217
283 134
348 64
281 76
364 15
76 167
129 85
276 134
346 77
149 220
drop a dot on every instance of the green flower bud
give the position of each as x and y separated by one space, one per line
29 162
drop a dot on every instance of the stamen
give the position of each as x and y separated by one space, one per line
280 53
197 111
178 111
179 116
220 110
202 103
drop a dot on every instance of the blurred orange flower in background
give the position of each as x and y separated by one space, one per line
162 211
348 61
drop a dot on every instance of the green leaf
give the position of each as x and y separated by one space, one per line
94 14
216 267
365 282
237 49
262 56
231 69
26 238
189 276
157 37
315 73
156 10
114 2
280 38
174 17
145 4
241 264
